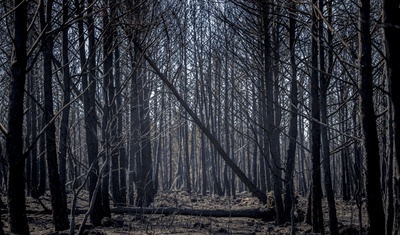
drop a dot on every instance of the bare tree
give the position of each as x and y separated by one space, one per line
324 83
58 200
64 128
368 123
291 151
392 36
14 144
88 78
316 190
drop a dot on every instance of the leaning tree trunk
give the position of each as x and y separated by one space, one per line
371 143
253 188
392 37
14 144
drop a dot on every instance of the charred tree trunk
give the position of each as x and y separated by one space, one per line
89 105
291 151
371 144
188 185
123 160
316 190
28 121
271 141
392 38
144 172
64 133
134 135
58 200
42 161
33 154
14 143
109 122
111 126
324 83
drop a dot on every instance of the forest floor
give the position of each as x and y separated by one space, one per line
41 223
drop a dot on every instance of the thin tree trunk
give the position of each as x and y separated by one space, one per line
64 133
392 37
291 151
200 77
34 152
188 185
28 120
58 197
389 192
108 120
123 160
271 141
324 83
316 191
42 161
358 166
134 139
89 105
302 155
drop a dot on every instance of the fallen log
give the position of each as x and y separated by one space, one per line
265 214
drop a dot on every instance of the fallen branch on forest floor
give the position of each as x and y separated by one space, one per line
265 214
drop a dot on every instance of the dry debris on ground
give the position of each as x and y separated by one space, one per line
40 222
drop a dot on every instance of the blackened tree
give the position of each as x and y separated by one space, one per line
14 144
368 123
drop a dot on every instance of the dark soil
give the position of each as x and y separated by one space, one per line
40 222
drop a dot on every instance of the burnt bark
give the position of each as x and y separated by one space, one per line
134 135
64 133
271 138
58 200
42 160
391 23
316 189
324 83
33 154
291 151
14 143
145 192
123 160
88 78
368 123
109 155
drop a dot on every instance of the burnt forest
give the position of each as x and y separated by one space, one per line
199 117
